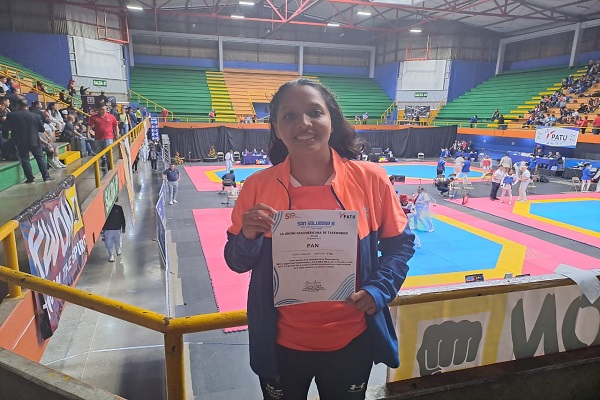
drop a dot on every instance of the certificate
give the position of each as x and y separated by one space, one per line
314 255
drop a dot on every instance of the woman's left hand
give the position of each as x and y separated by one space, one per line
363 301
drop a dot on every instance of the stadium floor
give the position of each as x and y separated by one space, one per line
86 342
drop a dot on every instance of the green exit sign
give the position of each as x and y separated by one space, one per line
100 82
420 94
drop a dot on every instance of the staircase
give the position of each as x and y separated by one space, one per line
219 95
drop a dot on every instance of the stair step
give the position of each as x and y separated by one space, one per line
69 156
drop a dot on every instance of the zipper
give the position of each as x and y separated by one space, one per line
337 198
288 194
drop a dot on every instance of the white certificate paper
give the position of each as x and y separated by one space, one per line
314 256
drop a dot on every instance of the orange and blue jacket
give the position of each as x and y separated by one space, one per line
385 247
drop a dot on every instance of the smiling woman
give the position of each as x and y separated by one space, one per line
313 150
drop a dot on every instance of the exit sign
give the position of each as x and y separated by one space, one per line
420 94
100 82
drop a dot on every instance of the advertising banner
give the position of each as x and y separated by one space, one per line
456 334
557 137
54 238
161 222
126 156
154 129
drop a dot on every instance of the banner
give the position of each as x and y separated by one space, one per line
557 137
126 156
54 238
161 223
154 129
456 334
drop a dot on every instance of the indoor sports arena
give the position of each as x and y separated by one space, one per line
310 199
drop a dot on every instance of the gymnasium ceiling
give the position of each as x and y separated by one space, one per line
500 17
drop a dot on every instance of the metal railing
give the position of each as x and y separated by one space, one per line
157 107
173 329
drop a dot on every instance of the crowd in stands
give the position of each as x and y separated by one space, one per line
572 91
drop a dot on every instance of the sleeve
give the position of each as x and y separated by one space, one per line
123 223
396 244
242 254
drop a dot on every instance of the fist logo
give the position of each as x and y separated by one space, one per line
449 343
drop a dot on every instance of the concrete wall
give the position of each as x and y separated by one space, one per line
46 54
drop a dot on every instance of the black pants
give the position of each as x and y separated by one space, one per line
340 375
494 191
38 153
134 166
153 164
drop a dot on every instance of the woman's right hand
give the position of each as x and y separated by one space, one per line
257 220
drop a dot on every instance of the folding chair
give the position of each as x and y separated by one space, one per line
531 188
420 156
575 183
220 156
232 195
236 156
226 183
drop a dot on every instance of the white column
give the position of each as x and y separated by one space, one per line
500 60
372 64
130 49
301 59
220 54
576 43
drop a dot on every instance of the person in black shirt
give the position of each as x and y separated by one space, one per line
111 232
24 128
229 175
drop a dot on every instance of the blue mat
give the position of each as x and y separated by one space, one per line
452 249
583 214
410 171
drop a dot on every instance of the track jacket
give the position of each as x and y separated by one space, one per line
382 226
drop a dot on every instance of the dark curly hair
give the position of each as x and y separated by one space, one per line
343 138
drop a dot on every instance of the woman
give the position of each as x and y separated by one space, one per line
586 177
312 150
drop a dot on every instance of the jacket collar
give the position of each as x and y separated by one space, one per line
339 166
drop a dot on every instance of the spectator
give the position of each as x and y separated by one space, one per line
102 99
582 124
123 121
71 88
596 125
501 124
106 130
3 84
357 119
153 157
112 229
55 117
365 118
495 115
164 114
212 115
83 90
24 128
138 115
473 121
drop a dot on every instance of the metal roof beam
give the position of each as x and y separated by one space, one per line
462 11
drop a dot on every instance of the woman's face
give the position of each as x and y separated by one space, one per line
303 121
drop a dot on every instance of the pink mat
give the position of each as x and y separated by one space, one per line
541 257
200 180
229 288
504 210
